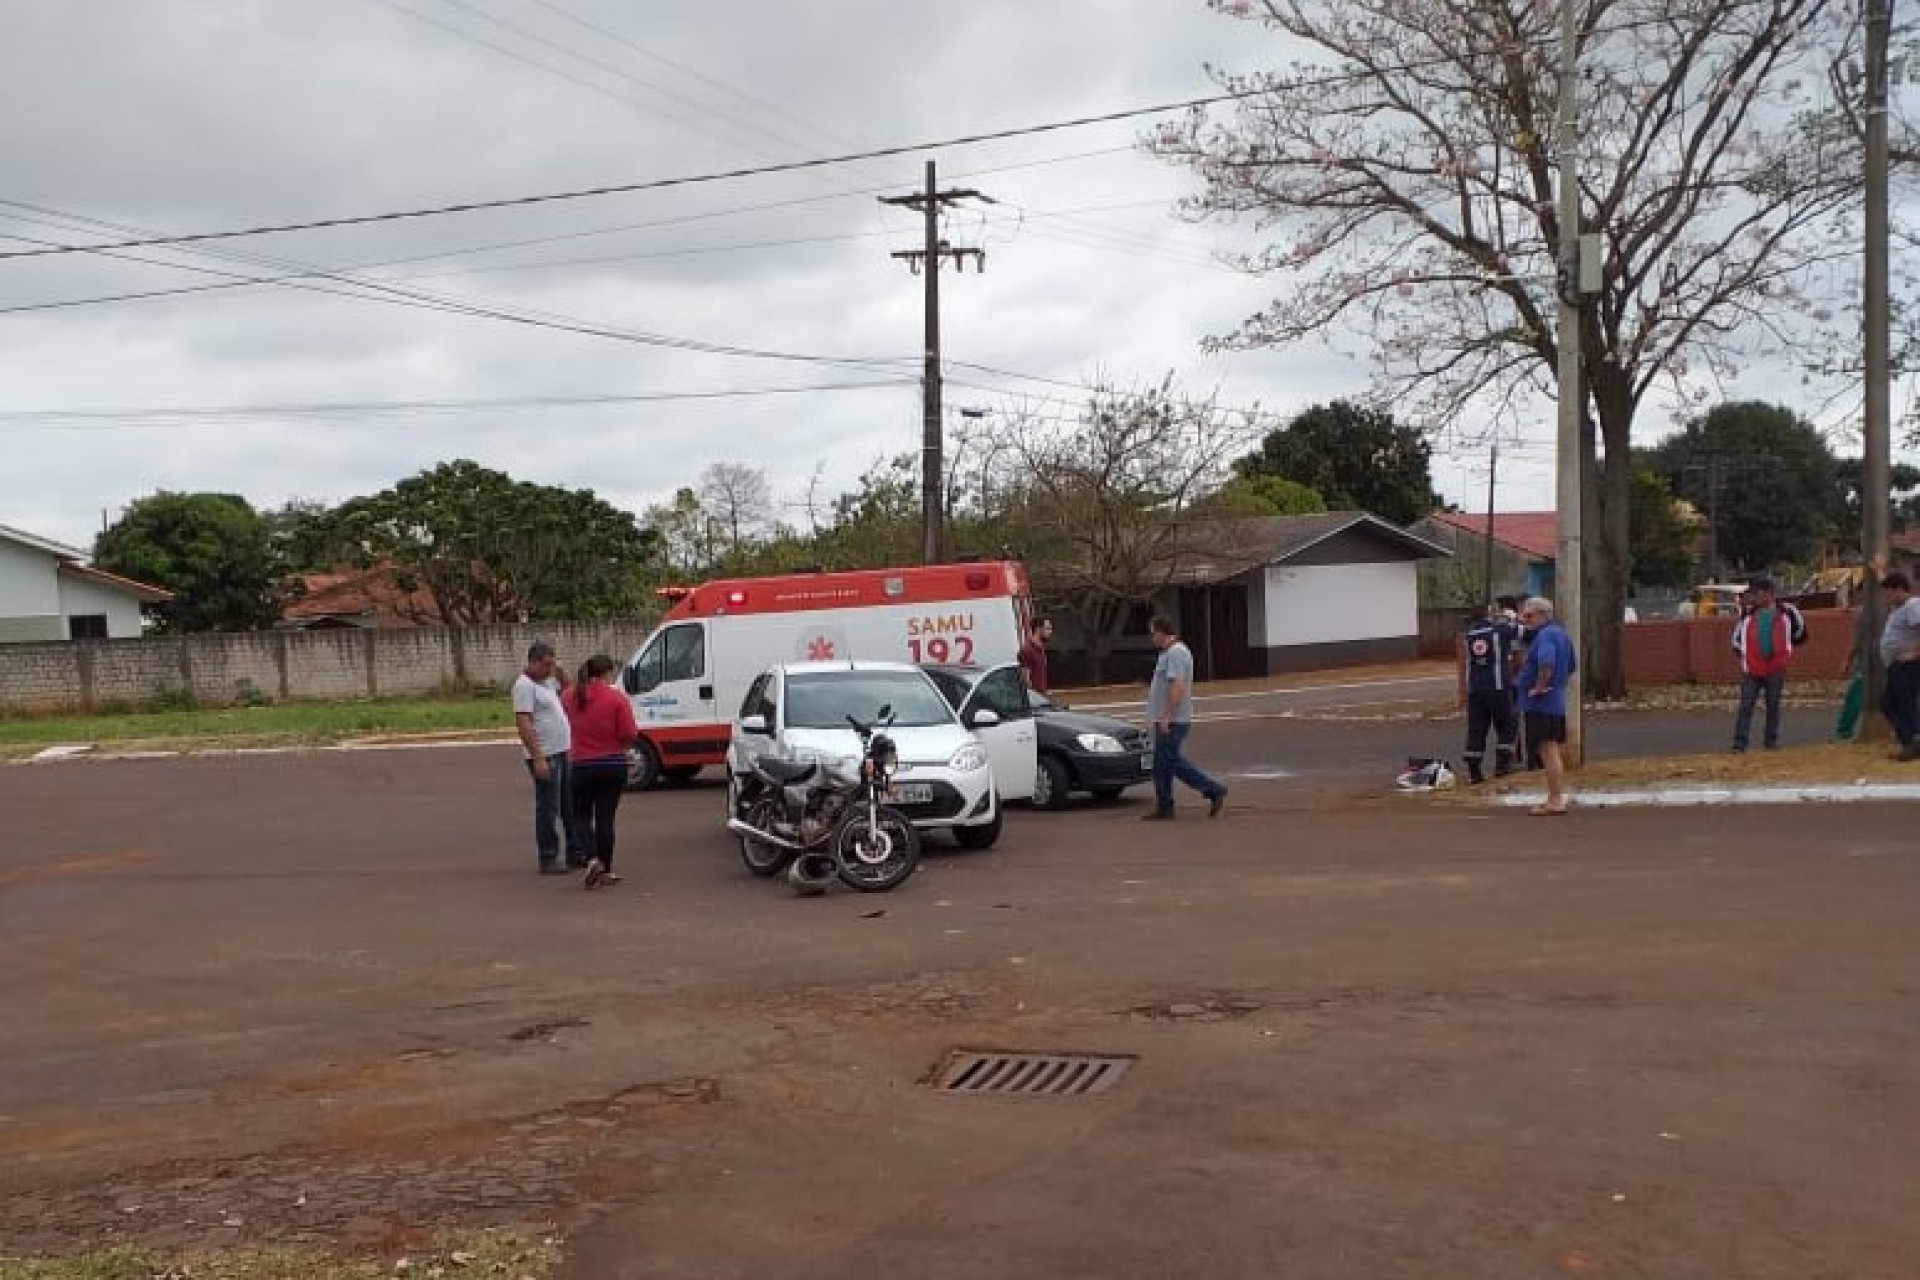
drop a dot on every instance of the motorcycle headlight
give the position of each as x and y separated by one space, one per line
1100 744
969 758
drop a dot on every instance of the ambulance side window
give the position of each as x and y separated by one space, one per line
686 652
644 676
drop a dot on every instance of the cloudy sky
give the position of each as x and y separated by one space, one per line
130 119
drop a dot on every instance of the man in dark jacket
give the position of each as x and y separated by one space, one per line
1486 653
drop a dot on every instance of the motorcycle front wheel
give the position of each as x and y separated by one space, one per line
876 850
762 858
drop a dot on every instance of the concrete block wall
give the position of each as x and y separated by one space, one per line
222 669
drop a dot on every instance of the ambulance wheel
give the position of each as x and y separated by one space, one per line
980 837
643 766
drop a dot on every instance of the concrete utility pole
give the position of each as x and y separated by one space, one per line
1569 562
1876 500
928 260
1486 566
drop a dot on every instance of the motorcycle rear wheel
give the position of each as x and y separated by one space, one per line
761 857
876 855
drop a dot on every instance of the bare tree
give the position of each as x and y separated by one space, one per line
1103 509
1410 165
739 499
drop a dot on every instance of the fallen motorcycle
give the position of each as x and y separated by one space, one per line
822 820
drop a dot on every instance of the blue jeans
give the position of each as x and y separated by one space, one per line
1751 687
1169 762
553 807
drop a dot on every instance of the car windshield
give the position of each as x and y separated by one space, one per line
824 700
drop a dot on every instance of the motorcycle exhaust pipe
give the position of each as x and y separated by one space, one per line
742 828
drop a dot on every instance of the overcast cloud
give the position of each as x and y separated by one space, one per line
225 113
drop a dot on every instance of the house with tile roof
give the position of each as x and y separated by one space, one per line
1525 545
48 591
1263 595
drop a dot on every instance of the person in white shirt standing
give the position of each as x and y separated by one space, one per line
545 739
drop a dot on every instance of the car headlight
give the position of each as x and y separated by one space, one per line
1100 744
969 758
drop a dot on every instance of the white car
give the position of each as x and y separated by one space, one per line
799 710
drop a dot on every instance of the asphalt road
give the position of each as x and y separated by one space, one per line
324 996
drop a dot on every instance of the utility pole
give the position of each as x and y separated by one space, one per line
1569 462
928 260
1875 497
1486 569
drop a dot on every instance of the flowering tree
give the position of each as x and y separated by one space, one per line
1405 166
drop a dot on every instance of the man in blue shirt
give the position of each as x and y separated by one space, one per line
1487 654
1543 696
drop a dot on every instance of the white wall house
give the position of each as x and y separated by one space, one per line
49 592
1299 593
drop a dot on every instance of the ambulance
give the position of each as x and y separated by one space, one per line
689 676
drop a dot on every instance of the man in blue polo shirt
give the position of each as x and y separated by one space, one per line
1543 696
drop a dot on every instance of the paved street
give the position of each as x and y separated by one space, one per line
323 996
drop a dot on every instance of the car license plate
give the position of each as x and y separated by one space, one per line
1146 761
911 792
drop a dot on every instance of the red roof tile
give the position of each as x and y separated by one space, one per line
1535 533
362 594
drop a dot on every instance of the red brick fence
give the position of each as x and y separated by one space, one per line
1700 650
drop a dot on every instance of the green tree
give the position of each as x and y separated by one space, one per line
212 550
1262 495
1401 159
1902 480
1355 458
1665 530
1761 475
489 548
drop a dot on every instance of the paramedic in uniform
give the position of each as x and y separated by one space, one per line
1487 653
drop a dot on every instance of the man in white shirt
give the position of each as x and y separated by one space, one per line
545 738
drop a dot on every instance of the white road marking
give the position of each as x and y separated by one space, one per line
1282 693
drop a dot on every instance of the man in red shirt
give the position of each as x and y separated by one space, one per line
1763 642
1033 653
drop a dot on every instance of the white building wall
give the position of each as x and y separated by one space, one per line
1329 604
28 588
79 598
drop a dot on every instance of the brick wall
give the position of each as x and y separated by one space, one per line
222 669
1700 650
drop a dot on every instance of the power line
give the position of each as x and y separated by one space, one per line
206 414
625 188
1326 81
378 291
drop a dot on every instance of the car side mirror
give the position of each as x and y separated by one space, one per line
984 718
754 724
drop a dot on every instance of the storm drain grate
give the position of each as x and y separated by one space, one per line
1056 1074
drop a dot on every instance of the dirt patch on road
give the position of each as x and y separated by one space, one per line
546 1170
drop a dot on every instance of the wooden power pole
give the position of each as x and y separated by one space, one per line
927 261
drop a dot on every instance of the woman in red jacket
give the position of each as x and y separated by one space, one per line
603 729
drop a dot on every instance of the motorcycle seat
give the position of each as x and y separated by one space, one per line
784 772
